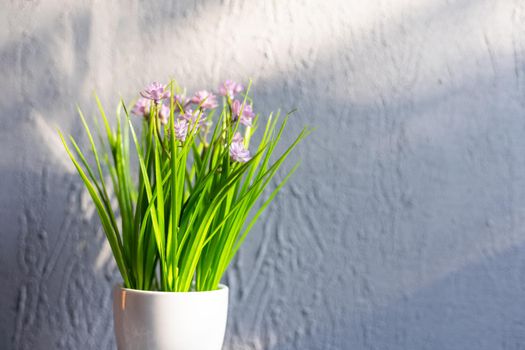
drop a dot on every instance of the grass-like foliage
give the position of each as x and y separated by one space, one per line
179 223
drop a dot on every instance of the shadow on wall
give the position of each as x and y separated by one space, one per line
401 231
61 268
54 257
415 185
50 299
477 307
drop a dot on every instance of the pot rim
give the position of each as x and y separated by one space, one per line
222 287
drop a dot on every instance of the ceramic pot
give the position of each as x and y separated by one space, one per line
168 320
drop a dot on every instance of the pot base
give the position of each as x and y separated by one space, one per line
170 321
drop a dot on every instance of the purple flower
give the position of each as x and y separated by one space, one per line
238 138
247 113
230 88
181 129
164 114
156 92
141 108
188 115
238 152
181 100
191 117
205 99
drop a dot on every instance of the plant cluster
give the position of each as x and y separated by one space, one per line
179 223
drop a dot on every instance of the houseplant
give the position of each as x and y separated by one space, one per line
177 225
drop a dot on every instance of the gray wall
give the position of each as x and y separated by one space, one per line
403 229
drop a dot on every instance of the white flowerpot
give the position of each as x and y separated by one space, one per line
170 321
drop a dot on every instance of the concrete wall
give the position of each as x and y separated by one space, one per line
403 228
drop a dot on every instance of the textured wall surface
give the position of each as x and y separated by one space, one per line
403 229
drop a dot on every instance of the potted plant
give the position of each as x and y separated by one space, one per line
177 224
